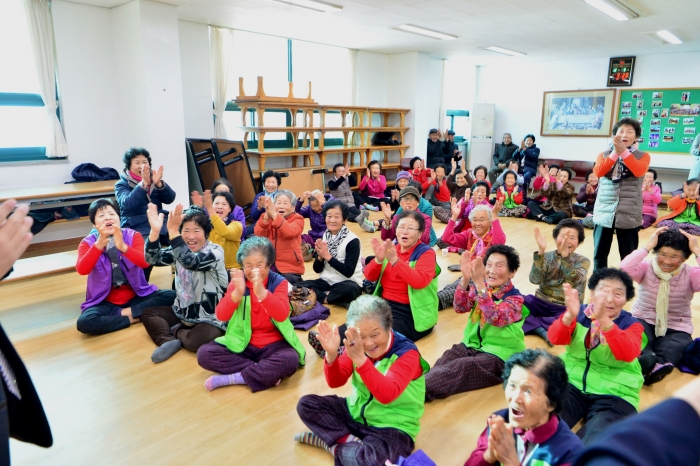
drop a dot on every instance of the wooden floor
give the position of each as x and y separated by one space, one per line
109 404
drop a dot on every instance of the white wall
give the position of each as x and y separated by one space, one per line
195 67
371 79
517 93
88 94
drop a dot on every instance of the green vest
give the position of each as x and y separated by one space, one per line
499 341
405 412
239 328
424 301
597 372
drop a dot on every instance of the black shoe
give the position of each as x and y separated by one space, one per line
547 220
658 374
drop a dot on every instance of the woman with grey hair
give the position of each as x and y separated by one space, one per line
485 231
283 227
381 419
260 347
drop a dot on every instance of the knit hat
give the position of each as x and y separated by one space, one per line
433 130
403 174
409 190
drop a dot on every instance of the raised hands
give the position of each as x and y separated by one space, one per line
329 337
590 189
386 210
155 219
379 248
119 239
467 195
322 250
390 252
692 242
258 286
157 177
544 171
454 166
269 206
541 241
174 221
394 194
501 447
197 199
305 195
238 284
209 204
465 266
102 238
455 208
497 207
15 233
654 238
354 347
618 144
572 303
368 173
478 273
320 197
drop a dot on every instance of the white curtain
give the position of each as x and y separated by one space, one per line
221 42
41 37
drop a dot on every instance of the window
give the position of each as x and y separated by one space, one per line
278 60
22 116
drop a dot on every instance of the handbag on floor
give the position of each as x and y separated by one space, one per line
301 300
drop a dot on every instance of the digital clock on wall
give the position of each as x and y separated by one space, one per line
620 71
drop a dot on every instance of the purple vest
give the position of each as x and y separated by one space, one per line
99 282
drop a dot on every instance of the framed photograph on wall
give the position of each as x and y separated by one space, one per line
578 113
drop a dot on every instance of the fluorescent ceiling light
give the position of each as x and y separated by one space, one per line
425 32
312 5
613 8
669 37
503 51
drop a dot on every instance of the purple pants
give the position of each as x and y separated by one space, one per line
261 368
329 418
542 313
647 221
687 227
461 369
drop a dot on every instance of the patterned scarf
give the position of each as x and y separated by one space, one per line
334 241
496 295
596 333
118 278
662 297
620 170
480 244
133 180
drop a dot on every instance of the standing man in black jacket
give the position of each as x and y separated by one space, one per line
450 151
501 156
21 413
434 156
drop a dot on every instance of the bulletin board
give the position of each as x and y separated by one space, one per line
670 118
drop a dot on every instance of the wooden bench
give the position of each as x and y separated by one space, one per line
57 196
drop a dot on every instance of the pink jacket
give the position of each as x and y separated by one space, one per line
650 201
373 188
683 286
465 240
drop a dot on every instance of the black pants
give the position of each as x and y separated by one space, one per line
292 278
354 212
343 292
361 199
106 317
662 350
597 411
627 242
161 322
582 210
537 210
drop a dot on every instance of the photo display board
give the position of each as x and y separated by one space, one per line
670 118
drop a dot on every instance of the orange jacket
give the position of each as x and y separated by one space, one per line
678 205
285 236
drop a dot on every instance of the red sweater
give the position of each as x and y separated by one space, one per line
385 388
89 255
625 345
275 306
421 176
444 194
396 277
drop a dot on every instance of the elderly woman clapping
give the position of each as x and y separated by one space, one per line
667 287
283 226
381 419
260 347
529 432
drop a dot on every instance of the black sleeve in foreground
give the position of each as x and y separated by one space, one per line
352 255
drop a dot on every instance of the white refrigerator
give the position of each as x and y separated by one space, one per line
481 142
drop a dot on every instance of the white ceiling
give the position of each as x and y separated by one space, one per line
543 29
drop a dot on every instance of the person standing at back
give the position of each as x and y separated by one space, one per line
434 156
502 156
618 207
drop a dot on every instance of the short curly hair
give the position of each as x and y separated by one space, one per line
271 174
609 273
509 252
673 239
549 368
481 167
258 244
134 152
570 223
629 122
199 216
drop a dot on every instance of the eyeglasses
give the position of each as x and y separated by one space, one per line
405 228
